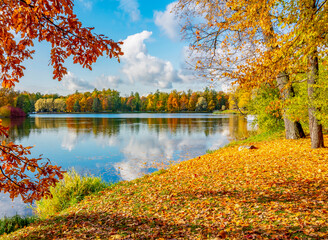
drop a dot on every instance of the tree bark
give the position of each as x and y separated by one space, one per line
293 129
314 125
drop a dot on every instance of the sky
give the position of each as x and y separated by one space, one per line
154 52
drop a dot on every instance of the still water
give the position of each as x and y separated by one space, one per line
120 146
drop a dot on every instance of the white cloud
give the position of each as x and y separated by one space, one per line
141 67
72 83
167 21
87 4
131 7
107 82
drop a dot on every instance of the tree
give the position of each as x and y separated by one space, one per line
23 103
7 97
173 102
59 105
49 104
70 101
83 103
271 53
137 101
51 21
40 105
96 105
184 102
76 106
201 104
192 101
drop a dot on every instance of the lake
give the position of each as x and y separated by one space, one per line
120 146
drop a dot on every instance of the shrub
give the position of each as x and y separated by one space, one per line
11 112
5 111
8 225
67 192
16 112
266 107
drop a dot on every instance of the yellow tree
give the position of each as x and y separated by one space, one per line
303 45
52 21
173 102
183 102
270 54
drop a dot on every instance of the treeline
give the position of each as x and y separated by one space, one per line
108 100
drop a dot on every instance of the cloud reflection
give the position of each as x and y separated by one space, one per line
70 140
10 208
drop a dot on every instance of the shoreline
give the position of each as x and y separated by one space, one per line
242 184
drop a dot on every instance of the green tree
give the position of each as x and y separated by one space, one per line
76 106
23 102
96 105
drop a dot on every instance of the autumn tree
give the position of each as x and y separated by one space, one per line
307 43
70 103
183 102
192 101
7 97
201 104
59 105
44 105
274 50
173 102
83 103
226 39
22 22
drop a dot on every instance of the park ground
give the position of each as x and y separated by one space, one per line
276 191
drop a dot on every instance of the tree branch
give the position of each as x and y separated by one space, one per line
11 179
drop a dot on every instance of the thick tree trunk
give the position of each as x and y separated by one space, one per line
315 128
293 130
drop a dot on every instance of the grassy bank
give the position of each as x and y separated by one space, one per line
72 189
229 111
11 224
277 191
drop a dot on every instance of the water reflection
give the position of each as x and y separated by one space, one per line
124 146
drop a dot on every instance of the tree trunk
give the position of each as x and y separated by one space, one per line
293 130
314 126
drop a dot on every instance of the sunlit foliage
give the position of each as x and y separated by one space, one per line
276 191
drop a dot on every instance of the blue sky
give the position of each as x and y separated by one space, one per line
154 52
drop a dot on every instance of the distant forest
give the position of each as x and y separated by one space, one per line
20 103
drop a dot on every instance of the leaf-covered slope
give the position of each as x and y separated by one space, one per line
278 191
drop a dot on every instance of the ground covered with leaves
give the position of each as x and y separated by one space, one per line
277 191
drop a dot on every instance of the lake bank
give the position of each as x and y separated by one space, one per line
120 146
275 191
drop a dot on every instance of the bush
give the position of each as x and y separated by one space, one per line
11 112
67 192
8 225
5 111
266 107
16 112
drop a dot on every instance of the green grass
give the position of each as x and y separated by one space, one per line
11 224
257 137
260 137
67 192
228 111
